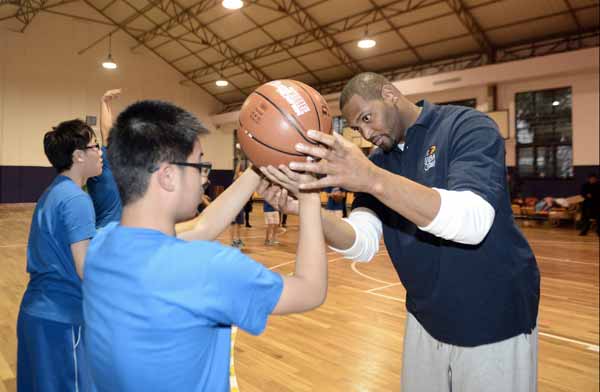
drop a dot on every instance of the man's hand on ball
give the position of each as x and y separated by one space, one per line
342 162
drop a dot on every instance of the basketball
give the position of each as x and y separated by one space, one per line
276 116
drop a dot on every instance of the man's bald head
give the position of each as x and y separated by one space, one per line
367 85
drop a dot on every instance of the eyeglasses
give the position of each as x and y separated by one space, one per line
203 167
93 146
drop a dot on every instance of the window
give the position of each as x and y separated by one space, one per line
544 133
339 123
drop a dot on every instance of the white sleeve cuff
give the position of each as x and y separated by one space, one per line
464 217
368 230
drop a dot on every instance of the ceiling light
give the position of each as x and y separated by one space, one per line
555 103
109 63
233 4
366 43
222 83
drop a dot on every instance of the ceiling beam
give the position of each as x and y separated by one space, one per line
289 53
467 19
193 25
258 3
27 10
179 17
401 51
399 34
204 6
573 15
129 33
318 33
516 51
348 23
124 22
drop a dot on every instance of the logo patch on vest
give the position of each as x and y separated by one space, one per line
430 158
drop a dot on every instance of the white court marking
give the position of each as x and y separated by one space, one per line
588 346
233 378
566 261
13 246
293 261
581 243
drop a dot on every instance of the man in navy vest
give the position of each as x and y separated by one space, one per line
436 189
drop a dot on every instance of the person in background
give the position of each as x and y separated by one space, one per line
335 201
590 191
272 222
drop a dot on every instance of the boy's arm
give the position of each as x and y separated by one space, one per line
222 211
79 249
106 114
307 288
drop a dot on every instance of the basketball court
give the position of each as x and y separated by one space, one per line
530 65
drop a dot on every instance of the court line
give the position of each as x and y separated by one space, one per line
561 242
566 261
386 296
13 246
384 287
588 346
232 376
353 266
293 261
6 372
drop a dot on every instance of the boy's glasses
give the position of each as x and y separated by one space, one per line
203 167
93 146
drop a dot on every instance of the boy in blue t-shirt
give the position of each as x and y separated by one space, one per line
50 340
165 323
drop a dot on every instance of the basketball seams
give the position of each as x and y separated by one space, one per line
287 116
243 130
311 100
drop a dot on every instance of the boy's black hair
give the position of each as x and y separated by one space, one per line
63 140
146 134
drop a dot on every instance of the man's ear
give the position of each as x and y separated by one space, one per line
166 177
389 93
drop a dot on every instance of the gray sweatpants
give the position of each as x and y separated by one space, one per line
431 366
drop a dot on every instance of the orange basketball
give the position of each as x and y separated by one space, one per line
276 116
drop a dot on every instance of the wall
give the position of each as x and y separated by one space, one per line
44 81
584 89
586 130
586 135
586 126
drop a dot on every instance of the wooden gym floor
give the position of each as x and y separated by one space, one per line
354 341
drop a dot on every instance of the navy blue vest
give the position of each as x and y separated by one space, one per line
466 295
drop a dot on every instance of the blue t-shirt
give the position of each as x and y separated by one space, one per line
158 310
267 207
333 205
105 195
64 215
465 295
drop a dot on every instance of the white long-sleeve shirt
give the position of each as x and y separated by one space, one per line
463 217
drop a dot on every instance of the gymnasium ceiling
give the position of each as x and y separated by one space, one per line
315 41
